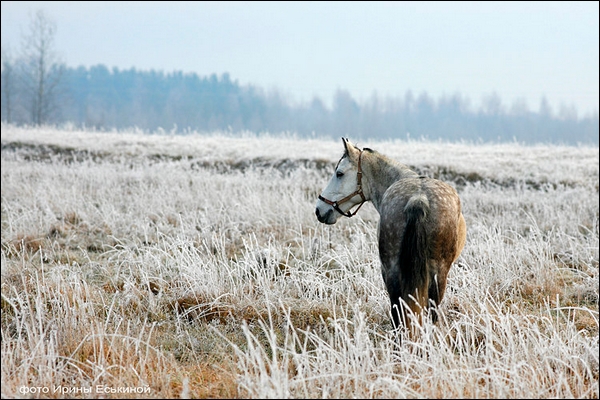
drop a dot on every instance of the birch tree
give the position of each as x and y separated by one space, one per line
8 86
42 69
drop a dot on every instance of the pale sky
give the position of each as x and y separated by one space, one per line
522 51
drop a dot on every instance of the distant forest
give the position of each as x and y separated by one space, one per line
38 88
104 98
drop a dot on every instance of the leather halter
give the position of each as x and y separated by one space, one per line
359 191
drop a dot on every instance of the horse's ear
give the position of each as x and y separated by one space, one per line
345 141
350 150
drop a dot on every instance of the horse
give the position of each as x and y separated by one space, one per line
421 230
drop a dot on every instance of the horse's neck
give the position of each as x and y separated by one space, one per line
383 172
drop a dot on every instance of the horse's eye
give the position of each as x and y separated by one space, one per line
339 174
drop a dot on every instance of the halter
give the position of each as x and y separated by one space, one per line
336 204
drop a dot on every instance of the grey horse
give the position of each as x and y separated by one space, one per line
421 228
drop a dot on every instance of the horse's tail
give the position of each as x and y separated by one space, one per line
414 255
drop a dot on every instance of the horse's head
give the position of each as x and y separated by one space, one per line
344 190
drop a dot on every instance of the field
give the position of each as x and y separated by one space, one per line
193 266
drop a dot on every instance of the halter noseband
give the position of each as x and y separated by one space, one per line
336 204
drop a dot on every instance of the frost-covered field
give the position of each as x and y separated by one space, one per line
193 266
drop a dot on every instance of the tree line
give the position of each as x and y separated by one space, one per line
39 89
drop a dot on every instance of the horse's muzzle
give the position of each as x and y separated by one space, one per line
325 218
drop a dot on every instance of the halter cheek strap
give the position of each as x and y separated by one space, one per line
358 191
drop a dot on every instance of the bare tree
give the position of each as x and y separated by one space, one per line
8 86
42 69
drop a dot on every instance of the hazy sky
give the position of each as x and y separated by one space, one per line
522 50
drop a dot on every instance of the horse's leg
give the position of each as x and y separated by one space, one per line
396 311
400 320
406 308
451 246
395 293
437 288
401 308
